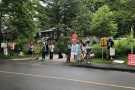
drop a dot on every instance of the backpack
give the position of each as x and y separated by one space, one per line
44 49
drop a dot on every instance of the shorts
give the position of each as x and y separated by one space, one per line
30 52
88 51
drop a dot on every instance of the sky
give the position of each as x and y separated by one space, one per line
43 4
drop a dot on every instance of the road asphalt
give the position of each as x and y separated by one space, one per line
118 67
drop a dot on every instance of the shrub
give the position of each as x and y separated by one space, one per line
98 51
122 48
60 46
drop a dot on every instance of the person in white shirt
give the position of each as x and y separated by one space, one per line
74 49
5 48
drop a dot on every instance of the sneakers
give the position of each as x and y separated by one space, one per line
88 62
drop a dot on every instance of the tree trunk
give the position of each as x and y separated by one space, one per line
58 34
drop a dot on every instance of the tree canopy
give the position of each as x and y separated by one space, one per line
21 19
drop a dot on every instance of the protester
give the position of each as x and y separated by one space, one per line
110 43
51 47
79 51
12 49
36 49
88 48
74 49
83 51
30 51
44 50
5 48
68 52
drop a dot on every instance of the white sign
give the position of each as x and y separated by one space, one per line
74 49
3 45
118 61
112 51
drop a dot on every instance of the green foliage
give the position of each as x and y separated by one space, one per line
122 48
98 51
21 43
103 24
60 46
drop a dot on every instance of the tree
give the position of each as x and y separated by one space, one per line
18 17
102 24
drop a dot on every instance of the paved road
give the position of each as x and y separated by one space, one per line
31 75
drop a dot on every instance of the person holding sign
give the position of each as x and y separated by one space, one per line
74 49
88 48
5 48
110 44
79 52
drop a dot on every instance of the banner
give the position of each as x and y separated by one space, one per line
3 45
112 51
74 49
74 38
103 43
131 59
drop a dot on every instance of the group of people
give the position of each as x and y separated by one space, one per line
45 49
8 48
79 50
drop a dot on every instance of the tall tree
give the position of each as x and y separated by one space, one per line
103 24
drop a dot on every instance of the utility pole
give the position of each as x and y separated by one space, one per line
0 28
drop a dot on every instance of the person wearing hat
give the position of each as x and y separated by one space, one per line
110 43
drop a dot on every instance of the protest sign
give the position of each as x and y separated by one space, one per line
103 43
131 59
74 38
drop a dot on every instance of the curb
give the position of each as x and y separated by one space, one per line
105 66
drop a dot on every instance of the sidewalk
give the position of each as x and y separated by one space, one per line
118 67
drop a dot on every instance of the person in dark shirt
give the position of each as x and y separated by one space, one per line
110 43
44 50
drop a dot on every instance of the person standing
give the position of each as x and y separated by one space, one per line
51 47
5 48
44 50
79 52
84 51
88 52
74 49
30 51
37 47
110 43
12 49
68 52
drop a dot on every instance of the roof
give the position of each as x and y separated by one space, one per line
50 30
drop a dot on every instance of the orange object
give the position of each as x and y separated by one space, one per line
74 38
38 45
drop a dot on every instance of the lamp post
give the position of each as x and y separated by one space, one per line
0 27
